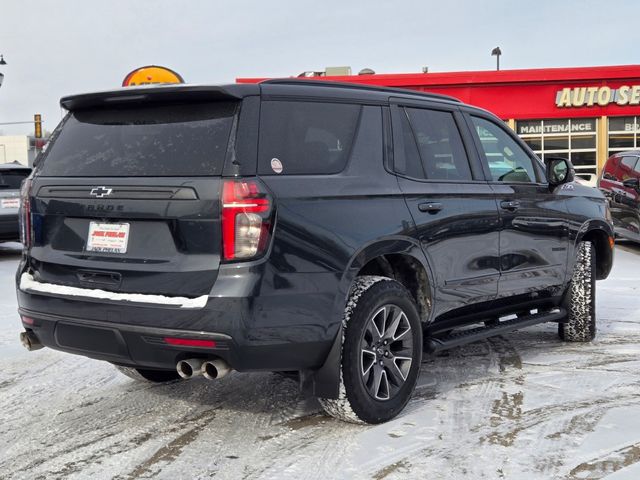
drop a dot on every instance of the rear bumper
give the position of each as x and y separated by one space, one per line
268 333
143 346
255 326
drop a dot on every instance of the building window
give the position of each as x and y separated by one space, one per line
575 139
624 134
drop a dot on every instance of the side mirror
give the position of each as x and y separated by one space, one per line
559 171
633 183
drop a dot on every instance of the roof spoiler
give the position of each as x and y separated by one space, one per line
156 93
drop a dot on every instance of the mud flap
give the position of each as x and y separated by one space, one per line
324 382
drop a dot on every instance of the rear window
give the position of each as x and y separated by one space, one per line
11 179
305 137
154 140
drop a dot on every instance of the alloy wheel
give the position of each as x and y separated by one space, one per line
386 352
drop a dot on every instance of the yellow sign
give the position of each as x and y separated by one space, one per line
602 96
151 74
37 122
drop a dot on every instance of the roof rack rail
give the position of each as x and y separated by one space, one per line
359 86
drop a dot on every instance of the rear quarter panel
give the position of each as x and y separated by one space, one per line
327 227
588 212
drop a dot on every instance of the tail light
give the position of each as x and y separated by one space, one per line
246 219
25 213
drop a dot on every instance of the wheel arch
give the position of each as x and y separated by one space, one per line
399 258
600 234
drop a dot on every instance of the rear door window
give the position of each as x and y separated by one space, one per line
409 163
153 140
440 145
305 137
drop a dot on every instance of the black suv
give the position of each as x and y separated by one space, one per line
333 230
620 183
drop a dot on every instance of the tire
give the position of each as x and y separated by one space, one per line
580 298
144 375
377 378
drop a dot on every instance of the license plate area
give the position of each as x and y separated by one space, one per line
10 203
108 237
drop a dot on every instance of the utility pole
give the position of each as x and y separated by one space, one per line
2 63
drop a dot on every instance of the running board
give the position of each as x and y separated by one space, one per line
433 345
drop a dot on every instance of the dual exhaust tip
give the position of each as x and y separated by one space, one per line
192 367
30 341
209 369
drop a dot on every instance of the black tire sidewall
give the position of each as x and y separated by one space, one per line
367 408
568 300
592 305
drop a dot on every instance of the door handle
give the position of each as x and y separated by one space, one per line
510 205
431 207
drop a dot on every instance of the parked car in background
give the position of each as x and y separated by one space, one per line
331 229
620 182
11 177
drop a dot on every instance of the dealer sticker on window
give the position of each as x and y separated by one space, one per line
108 237
10 203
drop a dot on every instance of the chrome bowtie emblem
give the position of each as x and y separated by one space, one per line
100 192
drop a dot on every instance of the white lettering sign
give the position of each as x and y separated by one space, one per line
602 96
556 126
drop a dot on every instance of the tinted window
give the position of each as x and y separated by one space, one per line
621 124
408 164
439 143
160 140
368 145
508 162
535 143
306 137
11 179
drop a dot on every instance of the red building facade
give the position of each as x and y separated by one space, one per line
584 114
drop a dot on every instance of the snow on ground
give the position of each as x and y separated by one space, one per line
521 406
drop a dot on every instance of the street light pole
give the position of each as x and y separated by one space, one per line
497 52
2 62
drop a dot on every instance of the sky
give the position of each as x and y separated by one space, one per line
59 47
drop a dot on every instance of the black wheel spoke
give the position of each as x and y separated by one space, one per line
380 385
402 366
368 360
400 350
379 323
